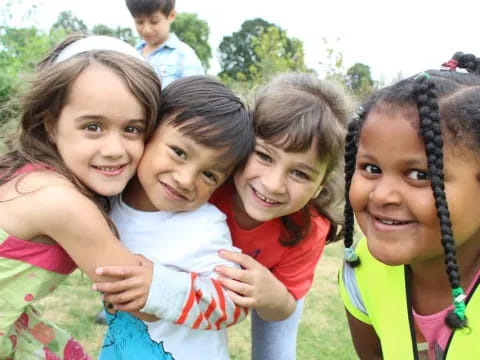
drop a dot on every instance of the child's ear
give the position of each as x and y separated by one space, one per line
172 15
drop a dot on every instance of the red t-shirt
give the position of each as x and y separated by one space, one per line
295 265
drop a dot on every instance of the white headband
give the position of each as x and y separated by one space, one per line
97 42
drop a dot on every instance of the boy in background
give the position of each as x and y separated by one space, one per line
171 57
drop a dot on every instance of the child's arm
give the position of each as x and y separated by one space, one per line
193 299
188 299
62 213
254 286
365 339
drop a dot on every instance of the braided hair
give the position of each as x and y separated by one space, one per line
447 102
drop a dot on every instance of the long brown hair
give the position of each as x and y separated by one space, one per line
41 104
298 110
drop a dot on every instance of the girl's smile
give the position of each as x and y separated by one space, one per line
100 131
276 183
392 197
263 200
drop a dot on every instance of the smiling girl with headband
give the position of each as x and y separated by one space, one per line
83 124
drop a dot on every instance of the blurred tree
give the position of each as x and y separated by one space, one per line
236 51
276 53
195 32
69 23
20 51
360 76
360 80
123 33
333 66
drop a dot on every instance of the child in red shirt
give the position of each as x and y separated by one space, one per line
283 205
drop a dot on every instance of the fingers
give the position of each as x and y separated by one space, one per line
232 272
132 306
238 287
240 300
116 286
126 301
119 271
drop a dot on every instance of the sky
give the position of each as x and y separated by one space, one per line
391 37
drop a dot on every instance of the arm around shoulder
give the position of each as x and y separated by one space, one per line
194 297
76 223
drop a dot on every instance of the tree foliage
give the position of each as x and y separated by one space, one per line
258 51
276 53
360 80
69 23
195 32
236 51
22 47
124 33
360 76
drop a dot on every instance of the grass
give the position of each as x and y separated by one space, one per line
323 332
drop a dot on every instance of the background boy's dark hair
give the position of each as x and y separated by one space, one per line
147 7
446 102
211 114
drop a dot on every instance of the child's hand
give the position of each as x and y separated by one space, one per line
254 286
130 291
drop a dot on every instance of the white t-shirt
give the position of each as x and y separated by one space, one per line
187 242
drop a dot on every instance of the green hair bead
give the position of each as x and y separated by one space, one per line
459 302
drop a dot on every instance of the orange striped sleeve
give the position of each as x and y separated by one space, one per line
188 305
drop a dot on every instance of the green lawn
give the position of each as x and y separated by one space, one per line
323 332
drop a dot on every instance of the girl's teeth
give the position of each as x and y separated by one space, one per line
267 200
391 222
108 168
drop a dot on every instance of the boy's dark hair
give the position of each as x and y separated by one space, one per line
147 7
211 114
448 102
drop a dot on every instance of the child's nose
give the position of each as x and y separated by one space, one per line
275 182
185 178
113 146
386 191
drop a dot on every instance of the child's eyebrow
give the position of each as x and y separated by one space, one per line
90 117
412 161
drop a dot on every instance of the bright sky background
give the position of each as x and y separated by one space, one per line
389 36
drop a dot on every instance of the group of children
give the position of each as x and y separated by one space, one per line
189 210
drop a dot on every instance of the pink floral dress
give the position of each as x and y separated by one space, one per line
28 272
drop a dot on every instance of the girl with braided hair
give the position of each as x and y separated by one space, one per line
412 170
